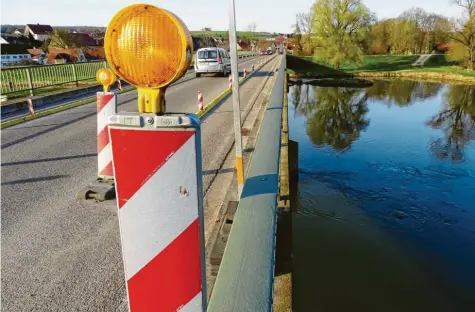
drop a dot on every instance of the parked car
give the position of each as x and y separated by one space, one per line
269 51
212 60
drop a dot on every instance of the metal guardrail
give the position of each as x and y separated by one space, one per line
32 78
246 274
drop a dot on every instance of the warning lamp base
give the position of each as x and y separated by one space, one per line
98 190
151 100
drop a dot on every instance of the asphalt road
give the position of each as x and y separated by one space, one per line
60 254
190 75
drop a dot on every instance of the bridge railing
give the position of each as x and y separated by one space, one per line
28 79
246 274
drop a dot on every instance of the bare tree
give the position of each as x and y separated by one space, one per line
303 28
251 35
463 33
304 22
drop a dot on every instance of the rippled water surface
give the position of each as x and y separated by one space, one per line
385 214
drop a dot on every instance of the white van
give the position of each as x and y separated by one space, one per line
212 60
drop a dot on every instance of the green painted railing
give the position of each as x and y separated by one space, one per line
32 78
28 79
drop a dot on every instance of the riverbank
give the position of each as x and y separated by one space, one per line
437 68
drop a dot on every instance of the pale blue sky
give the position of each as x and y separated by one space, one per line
269 15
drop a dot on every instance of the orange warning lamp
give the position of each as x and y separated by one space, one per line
106 78
150 48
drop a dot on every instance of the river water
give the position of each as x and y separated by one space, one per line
385 213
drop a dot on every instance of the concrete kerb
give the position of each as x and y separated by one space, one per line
219 98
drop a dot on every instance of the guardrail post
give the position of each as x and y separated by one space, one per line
75 76
30 81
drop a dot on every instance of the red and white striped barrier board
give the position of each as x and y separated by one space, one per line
200 100
30 106
106 107
230 82
119 85
157 166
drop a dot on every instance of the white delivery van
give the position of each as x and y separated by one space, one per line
212 60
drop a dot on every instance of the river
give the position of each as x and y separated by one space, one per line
385 213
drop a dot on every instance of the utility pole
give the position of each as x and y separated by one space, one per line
236 101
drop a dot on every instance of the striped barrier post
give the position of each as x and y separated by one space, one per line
106 107
119 85
157 167
200 101
30 106
245 73
230 82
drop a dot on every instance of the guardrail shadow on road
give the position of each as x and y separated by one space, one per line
38 179
218 171
58 126
34 161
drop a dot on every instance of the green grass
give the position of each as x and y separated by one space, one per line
377 64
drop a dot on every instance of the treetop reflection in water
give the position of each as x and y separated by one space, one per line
336 116
456 119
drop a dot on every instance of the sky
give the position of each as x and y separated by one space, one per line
269 15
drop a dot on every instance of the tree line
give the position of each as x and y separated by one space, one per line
344 30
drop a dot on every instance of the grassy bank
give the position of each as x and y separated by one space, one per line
437 67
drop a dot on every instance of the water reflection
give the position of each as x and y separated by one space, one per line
384 219
457 121
402 92
336 116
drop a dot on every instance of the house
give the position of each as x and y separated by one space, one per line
94 53
38 56
281 40
82 40
99 37
13 39
12 54
38 32
264 45
59 56
18 32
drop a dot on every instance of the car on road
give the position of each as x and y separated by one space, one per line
212 61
